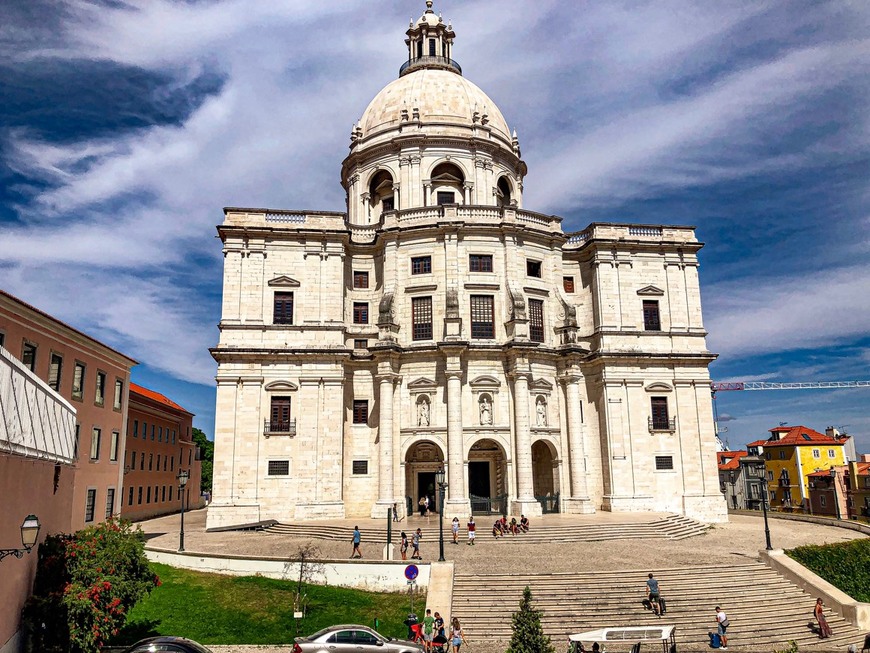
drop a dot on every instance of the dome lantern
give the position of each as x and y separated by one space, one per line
430 44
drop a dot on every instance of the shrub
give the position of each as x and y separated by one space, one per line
85 585
846 565
528 635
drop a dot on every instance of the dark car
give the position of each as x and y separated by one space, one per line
352 638
170 644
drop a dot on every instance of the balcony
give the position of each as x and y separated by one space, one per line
657 424
430 62
784 482
284 427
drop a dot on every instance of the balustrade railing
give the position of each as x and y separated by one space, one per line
422 62
282 427
659 424
281 216
645 231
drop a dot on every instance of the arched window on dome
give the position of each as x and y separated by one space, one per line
503 194
447 185
381 195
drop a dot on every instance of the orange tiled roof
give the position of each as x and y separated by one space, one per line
863 469
800 435
156 396
757 443
732 457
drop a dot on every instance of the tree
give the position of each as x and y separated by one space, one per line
528 635
206 453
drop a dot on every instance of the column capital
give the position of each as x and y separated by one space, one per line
570 378
388 377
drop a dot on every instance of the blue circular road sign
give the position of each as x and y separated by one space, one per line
411 572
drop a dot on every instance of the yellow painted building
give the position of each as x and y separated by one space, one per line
791 454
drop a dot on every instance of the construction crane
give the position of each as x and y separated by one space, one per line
767 385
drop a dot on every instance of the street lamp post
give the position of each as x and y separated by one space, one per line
29 534
762 469
834 489
439 479
733 490
183 475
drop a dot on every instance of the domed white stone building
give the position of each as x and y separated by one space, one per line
439 324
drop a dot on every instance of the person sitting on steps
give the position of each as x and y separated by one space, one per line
497 530
524 524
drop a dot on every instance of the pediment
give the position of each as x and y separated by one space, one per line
284 281
541 385
285 386
651 291
658 387
485 382
422 383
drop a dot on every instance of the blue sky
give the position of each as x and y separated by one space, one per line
127 126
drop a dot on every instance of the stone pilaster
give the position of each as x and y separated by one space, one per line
386 494
457 504
579 501
525 500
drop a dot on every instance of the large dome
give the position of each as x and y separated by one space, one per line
441 96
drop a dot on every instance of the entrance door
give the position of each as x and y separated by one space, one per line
478 479
426 488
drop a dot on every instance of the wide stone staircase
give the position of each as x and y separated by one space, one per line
765 610
673 527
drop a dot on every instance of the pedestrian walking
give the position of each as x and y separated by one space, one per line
471 530
415 543
652 588
439 625
722 624
421 504
455 527
356 553
819 613
428 629
426 504
457 637
404 545
395 513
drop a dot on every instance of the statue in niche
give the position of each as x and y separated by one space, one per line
541 411
485 411
423 412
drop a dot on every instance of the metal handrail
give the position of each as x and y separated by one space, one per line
662 424
444 62
283 427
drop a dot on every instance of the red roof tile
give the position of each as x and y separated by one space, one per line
757 443
156 396
733 458
800 435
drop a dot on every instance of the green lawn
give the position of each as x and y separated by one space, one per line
846 565
217 609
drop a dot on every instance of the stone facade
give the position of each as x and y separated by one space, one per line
438 323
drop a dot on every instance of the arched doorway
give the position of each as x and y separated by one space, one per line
503 192
545 477
381 195
423 459
487 478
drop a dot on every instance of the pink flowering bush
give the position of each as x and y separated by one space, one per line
85 586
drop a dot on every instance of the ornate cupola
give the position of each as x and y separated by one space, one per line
430 44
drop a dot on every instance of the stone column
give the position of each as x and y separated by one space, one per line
525 501
579 501
386 495
457 504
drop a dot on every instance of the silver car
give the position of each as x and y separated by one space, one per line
352 638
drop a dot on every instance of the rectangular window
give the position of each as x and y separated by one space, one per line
172 465
150 462
28 356
782 455
54 371
2 339
135 428
660 420
817 453
664 463
388 204
651 318
279 468
431 47
445 197
823 502
160 434
96 434
360 343
360 279
173 436
100 389
360 467
170 492
421 312
165 458
280 415
283 308
142 462
113 450
78 389
140 495
769 475
90 505
163 493
158 462
533 269
360 313
119 393
480 262
568 284
110 502
132 460
148 495
130 499
536 320
360 411
482 316
421 265
831 453
153 429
